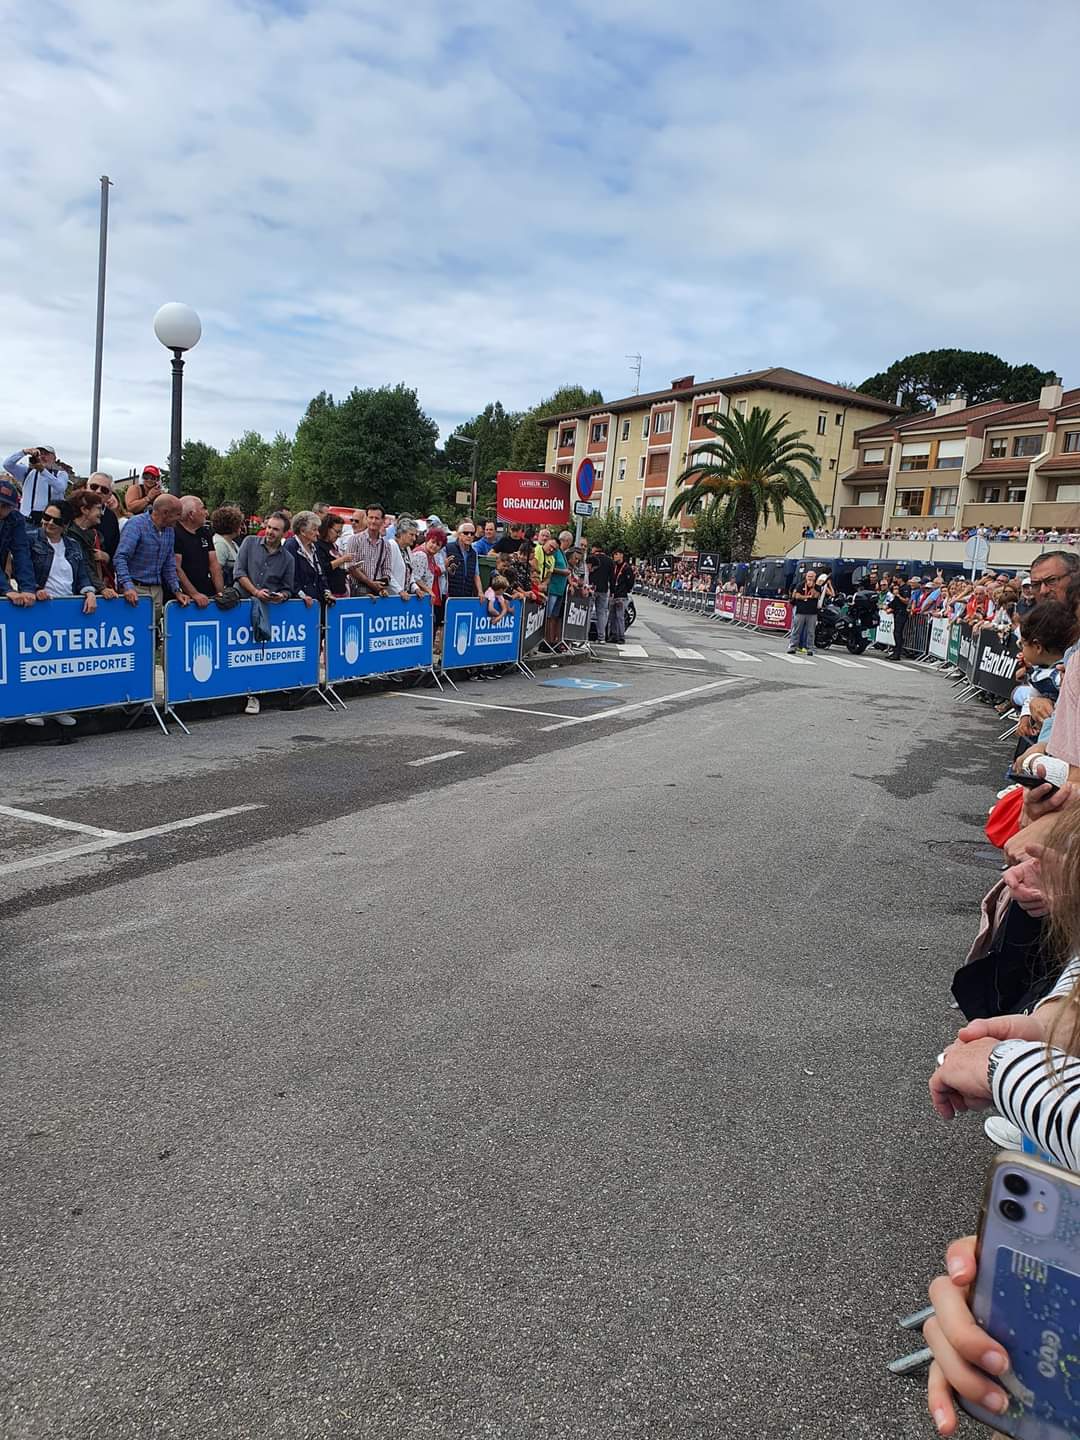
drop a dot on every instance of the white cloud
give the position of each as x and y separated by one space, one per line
487 201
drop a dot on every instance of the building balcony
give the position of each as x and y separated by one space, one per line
923 522
1008 513
1055 515
854 517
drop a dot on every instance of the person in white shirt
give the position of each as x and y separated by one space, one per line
401 571
43 478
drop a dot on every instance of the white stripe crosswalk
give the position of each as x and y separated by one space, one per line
686 654
723 653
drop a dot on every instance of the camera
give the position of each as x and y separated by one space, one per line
1012 1210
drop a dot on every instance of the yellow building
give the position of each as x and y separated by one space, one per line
640 445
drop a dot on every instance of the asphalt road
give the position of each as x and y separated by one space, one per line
570 1084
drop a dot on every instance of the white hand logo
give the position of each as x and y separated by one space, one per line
352 644
202 657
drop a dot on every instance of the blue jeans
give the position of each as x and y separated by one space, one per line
600 602
803 630
618 619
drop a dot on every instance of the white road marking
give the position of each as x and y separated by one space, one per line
430 759
93 847
479 705
686 654
840 660
791 659
638 705
638 652
742 655
873 660
40 819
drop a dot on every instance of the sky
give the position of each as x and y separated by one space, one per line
489 200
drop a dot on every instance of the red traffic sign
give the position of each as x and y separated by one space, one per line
586 479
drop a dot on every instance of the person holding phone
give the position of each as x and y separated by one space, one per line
44 479
805 599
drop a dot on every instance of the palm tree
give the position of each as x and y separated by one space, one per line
747 473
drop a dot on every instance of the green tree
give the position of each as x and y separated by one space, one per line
237 476
275 483
648 535
606 529
712 530
929 377
370 446
196 470
493 430
753 466
530 438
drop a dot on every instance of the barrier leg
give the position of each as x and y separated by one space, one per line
331 692
168 711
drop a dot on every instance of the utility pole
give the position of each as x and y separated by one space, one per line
99 342
636 368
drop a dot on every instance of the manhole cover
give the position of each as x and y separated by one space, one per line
968 852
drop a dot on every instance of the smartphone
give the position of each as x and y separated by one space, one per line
1030 782
1027 1295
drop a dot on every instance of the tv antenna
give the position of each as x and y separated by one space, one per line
636 368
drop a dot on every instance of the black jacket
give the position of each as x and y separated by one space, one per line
623 581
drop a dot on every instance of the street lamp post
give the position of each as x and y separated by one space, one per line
178 328
467 440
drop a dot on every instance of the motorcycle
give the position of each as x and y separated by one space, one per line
841 625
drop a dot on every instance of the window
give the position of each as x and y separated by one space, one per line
662 422
598 470
1072 442
950 454
1016 494
564 468
869 497
598 432
1069 492
618 502
644 427
999 448
943 499
706 410
566 437
740 406
908 502
641 466
658 463
622 467
875 456
654 502
915 455
839 417
822 422
989 494
626 429
1025 445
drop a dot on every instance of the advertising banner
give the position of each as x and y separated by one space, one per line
968 647
532 626
953 655
939 638
53 658
774 614
746 607
885 634
212 653
472 637
530 497
575 623
708 564
725 604
995 663
376 636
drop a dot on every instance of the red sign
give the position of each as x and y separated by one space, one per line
586 479
530 497
725 604
774 615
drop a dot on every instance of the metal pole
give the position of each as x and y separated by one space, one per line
475 477
103 240
175 444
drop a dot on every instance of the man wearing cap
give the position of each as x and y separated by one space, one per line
14 544
44 479
1027 601
142 493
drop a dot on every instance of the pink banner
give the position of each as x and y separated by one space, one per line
752 610
725 604
774 615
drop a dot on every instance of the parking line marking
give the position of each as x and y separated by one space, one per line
687 654
840 660
479 705
430 759
92 847
638 705
638 652
40 819
791 659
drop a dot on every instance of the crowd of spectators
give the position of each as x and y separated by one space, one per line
995 533
57 539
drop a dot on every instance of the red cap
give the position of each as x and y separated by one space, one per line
152 470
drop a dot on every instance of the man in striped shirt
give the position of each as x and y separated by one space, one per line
369 554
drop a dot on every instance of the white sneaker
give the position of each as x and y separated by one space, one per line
65 719
1003 1133
252 707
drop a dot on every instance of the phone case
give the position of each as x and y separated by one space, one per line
1027 1295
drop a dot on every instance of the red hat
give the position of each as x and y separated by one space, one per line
152 470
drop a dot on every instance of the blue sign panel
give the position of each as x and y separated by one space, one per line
212 653
54 658
373 637
472 637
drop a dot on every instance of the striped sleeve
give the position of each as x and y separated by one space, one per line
1039 1091
1070 977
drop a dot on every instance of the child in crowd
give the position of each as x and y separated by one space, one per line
495 595
1045 634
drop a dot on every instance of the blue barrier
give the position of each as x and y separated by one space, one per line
211 653
472 637
53 658
376 637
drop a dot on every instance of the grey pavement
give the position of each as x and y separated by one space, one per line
572 1085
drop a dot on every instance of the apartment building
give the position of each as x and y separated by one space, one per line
1000 464
641 444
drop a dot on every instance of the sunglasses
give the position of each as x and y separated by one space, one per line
52 519
466 533
99 489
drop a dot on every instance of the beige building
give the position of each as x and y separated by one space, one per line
1004 465
640 445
